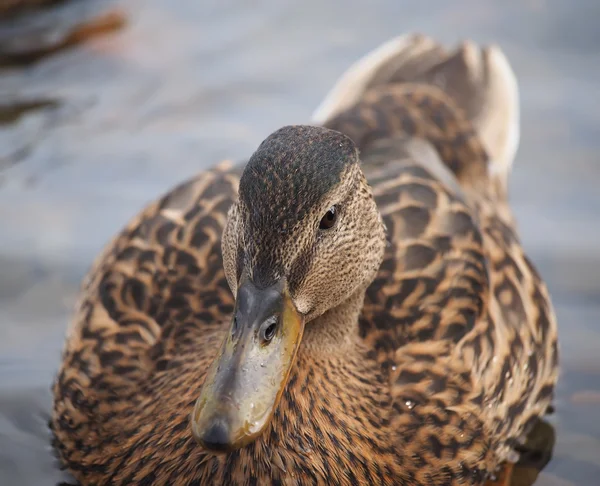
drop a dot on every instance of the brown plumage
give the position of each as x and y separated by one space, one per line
429 345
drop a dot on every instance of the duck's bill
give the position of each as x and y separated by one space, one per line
243 386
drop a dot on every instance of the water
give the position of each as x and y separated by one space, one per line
96 131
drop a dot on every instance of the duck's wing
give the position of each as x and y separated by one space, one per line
457 314
161 278
165 266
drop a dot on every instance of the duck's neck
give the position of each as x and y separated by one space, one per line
336 330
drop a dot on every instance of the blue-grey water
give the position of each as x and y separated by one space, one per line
186 84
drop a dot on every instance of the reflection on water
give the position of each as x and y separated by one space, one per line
91 133
25 39
11 113
534 454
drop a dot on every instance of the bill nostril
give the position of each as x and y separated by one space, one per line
268 330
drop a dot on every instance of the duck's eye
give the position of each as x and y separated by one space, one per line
329 219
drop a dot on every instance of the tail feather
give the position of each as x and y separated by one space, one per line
482 83
479 80
407 56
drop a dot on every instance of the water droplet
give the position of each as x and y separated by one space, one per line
513 456
394 368
507 375
410 404
262 365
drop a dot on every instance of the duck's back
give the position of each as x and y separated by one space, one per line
457 310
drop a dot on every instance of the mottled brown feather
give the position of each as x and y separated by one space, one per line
455 354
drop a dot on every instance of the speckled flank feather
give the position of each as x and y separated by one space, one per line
454 357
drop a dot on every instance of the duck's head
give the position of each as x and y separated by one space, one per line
304 236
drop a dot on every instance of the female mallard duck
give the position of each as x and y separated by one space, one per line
382 332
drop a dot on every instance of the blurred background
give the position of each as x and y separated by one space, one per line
104 105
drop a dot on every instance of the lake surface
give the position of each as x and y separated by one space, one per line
98 130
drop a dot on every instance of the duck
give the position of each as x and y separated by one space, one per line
351 305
